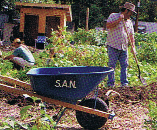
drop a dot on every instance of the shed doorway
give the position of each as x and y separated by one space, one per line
52 22
31 29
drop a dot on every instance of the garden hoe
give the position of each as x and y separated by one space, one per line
139 76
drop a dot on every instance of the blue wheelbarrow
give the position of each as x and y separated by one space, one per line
68 85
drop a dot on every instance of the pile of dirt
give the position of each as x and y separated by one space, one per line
140 93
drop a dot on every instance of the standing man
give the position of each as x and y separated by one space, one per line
117 41
21 56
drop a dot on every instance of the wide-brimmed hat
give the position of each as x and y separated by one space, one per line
129 6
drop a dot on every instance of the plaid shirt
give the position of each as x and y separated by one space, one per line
117 36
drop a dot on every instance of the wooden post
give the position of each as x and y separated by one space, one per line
137 16
22 21
42 23
87 18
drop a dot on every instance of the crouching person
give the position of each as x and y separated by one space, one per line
21 57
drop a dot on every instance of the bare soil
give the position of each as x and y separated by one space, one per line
131 109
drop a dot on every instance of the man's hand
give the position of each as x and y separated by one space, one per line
121 17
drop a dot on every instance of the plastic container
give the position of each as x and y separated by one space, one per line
67 84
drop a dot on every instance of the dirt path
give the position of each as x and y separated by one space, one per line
128 116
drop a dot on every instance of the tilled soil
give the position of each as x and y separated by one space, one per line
131 109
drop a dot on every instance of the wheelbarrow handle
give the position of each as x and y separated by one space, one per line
16 82
97 112
130 42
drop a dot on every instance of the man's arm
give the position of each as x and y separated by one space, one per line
113 24
9 57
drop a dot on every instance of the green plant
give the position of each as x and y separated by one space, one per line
5 65
147 52
84 37
152 123
42 122
12 124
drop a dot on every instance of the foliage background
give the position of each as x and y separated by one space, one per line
89 49
99 10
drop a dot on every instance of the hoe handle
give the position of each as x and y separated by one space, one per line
141 79
130 42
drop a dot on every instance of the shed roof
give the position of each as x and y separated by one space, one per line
67 8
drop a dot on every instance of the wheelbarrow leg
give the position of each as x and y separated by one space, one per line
96 95
55 117
60 115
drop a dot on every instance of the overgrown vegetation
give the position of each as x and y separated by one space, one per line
89 50
152 123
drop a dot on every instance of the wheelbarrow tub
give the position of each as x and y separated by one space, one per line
67 84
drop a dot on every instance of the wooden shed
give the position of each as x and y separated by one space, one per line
37 19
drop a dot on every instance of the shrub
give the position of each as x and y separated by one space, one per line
147 52
153 115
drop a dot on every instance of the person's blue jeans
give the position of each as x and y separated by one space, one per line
115 55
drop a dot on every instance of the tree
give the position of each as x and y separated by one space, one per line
1 4
151 12
99 10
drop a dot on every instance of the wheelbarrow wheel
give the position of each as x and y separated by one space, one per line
90 121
